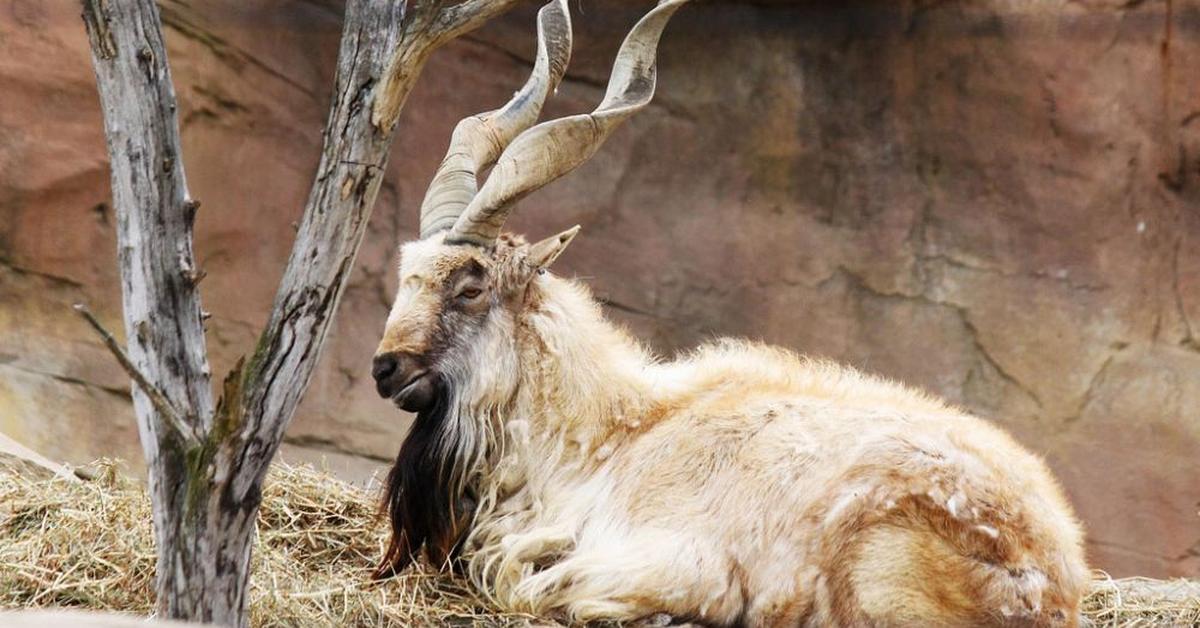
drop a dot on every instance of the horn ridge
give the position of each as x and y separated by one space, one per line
553 148
478 140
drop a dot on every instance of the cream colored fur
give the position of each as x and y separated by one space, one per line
737 485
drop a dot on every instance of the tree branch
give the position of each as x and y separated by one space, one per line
154 227
174 418
466 16
383 50
431 24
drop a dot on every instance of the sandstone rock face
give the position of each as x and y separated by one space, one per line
996 201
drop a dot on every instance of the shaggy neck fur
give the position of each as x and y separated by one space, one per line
584 387
582 378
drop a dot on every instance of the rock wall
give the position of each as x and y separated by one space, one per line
998 201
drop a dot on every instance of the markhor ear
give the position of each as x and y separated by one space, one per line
543 254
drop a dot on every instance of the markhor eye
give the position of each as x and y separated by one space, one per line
470 292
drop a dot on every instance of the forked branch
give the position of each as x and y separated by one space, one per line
206 494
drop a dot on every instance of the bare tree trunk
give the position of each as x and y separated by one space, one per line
162 306
206 464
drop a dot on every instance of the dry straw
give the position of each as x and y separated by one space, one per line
89 545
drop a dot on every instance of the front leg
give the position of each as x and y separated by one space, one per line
649 583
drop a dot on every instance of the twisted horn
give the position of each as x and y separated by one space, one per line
478 140
556 147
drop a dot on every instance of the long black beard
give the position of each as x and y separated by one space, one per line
426 497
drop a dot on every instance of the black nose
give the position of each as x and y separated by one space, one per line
406 379
384 366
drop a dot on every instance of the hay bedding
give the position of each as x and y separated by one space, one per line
89 545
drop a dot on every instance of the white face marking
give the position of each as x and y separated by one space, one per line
426 267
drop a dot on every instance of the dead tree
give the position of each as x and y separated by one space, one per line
207 459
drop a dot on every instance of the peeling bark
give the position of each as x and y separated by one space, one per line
206 462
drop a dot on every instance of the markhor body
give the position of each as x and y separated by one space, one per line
571 474
579 477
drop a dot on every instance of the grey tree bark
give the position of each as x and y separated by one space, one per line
207 461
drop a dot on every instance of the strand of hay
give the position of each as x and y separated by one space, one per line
89 545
